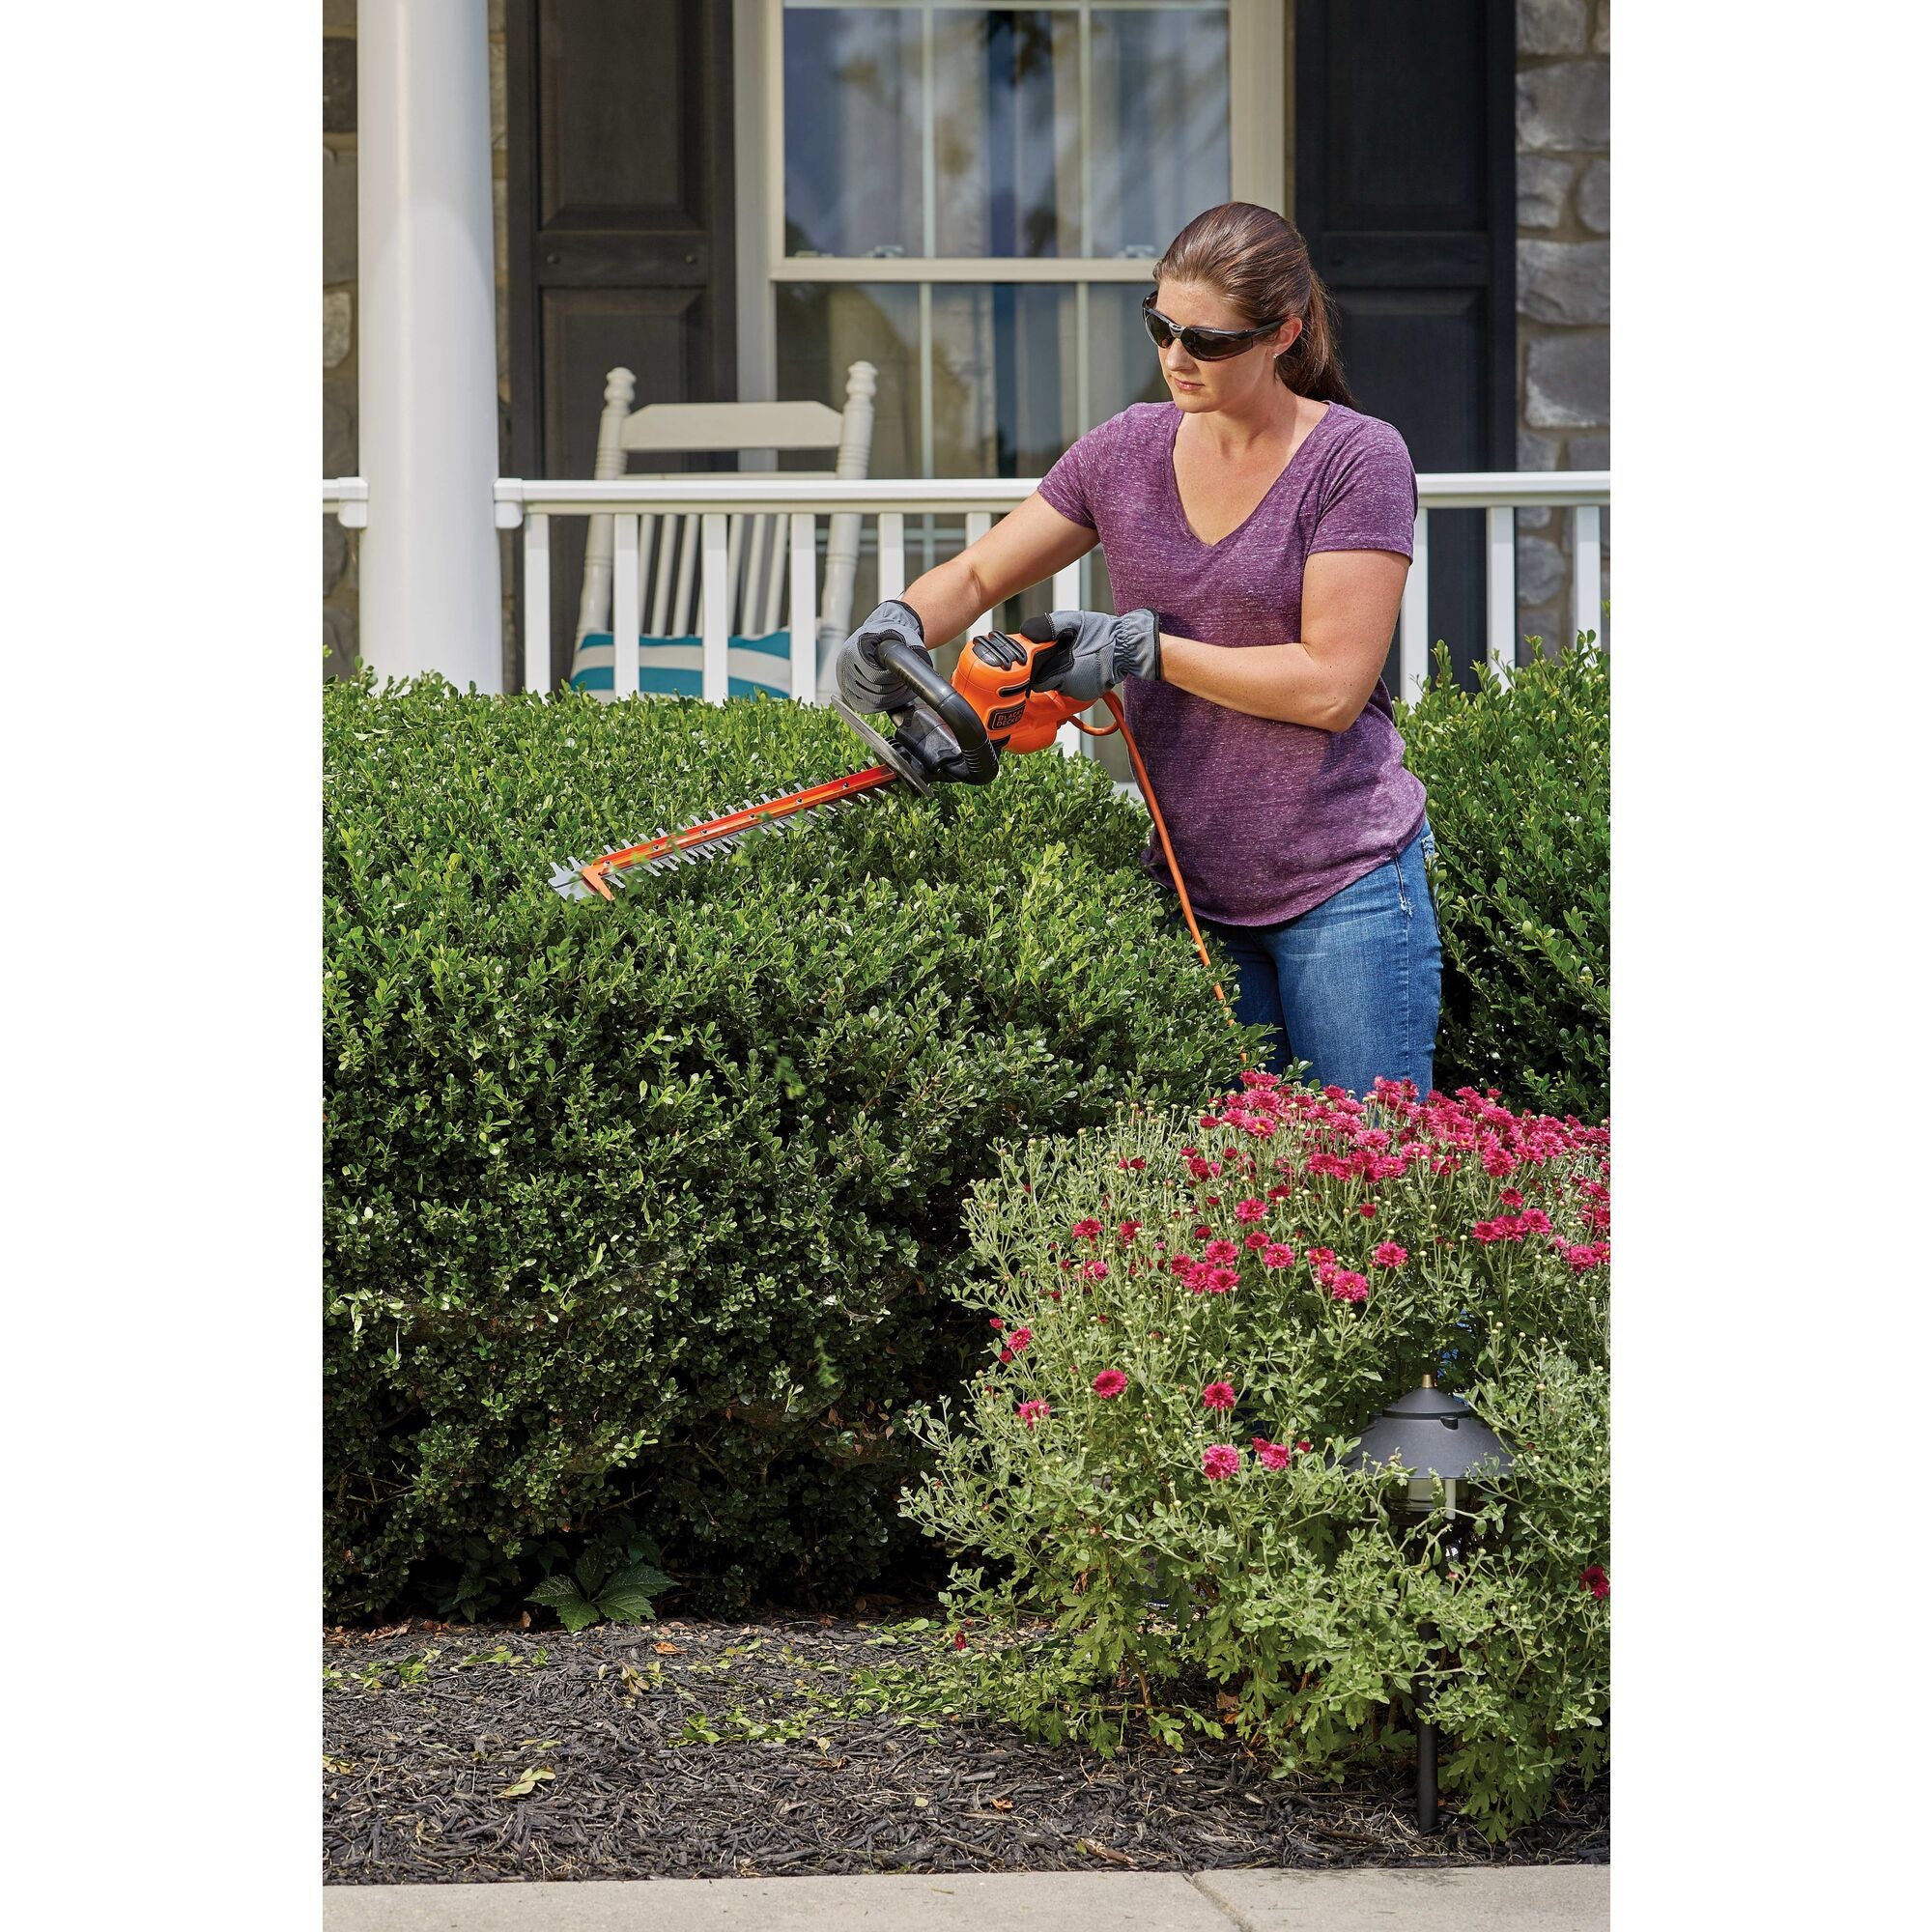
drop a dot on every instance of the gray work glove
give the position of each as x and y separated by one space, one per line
863 682
1105 650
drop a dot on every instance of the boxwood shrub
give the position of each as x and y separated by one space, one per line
644 1219
1518 783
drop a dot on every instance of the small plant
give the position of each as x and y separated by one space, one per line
1191 1321
620 1592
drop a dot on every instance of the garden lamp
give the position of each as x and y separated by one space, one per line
1430 1433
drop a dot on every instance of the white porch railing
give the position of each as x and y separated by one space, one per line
531 505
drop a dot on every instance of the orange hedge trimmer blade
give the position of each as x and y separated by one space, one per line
707 840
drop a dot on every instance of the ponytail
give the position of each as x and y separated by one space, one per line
1312 366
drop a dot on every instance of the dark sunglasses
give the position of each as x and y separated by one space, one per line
1205 344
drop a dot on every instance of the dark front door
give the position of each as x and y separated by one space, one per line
621 232
1404 186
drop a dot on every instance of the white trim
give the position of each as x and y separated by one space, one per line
751 137
1257 105
1415 644
983 268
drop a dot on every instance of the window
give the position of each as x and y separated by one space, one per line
1017 168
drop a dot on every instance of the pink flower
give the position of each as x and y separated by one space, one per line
1535 1221
1302 1447
1273 1455
958 1640
1086 1231
1220 1459
1367 1211
1034 1411
1128 1230
1485 1232
1220 1251
1510 1198
1277 1255
995 1322
1593 1580
1202 1232
1006 1355
1390 1255
1349 1286
1251 1210
1319 1257
1279 1193
1095 1270
1218 1395
1018 1339
1258 1239
1108 1383
1217 1280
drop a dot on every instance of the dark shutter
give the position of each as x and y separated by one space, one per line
1404 186
621 232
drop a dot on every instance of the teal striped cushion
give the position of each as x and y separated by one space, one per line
674 667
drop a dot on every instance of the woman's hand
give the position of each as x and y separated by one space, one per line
865 682
1106 649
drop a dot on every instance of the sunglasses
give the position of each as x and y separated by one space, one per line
1205 344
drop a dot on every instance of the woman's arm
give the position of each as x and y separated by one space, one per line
1350 601
1024 547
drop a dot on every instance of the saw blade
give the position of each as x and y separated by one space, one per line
712 837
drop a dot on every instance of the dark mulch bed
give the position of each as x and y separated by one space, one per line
413 1773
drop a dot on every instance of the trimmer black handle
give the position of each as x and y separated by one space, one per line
976 761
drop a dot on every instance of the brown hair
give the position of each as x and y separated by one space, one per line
1257 261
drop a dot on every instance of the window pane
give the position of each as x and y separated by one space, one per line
1123 365
854 153
1006 107
824 327
1160 124
1004 377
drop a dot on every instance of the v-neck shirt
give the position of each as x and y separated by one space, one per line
1268 818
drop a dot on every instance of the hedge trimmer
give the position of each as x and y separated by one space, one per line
949 734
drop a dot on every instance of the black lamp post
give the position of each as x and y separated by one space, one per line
1431 1434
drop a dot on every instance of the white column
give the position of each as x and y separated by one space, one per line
431 596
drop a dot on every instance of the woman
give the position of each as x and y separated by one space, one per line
1259 530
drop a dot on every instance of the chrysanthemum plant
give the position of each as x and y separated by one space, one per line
1190 1321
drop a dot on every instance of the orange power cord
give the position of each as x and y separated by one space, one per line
1119 724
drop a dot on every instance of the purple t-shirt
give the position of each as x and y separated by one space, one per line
1268 819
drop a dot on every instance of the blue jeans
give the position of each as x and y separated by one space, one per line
1352 985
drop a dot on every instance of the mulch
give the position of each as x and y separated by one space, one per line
539 1755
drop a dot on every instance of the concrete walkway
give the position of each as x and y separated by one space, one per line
1520 1898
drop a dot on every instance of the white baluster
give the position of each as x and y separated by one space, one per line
891 553
715 609
805 669
1588 614
1501 518
537 602
625 620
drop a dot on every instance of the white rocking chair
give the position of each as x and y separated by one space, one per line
671 652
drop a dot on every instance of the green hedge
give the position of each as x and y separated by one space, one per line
1518 783
646 1217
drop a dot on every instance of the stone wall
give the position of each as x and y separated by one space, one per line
1562 285
339 451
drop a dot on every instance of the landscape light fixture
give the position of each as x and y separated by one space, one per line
1432 1435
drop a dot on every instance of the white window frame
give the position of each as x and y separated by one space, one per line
1258 127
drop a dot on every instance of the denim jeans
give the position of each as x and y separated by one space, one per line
1354 984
